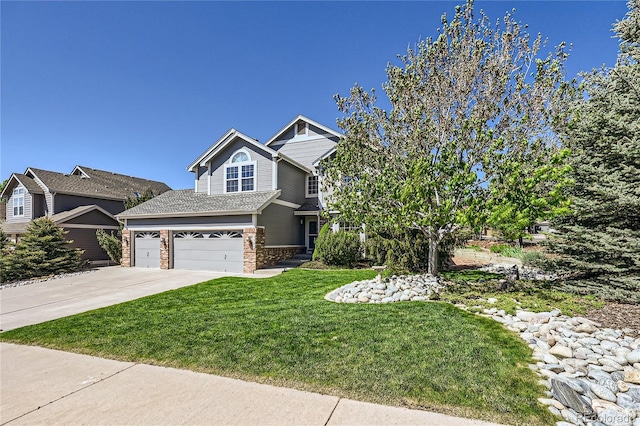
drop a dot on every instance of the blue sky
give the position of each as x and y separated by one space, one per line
142 88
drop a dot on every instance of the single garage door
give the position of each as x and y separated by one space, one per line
147 249
208 251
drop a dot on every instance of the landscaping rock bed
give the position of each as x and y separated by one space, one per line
592 373
518 272
394 289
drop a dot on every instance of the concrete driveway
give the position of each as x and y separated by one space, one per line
61 297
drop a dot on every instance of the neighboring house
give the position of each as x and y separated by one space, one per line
252 205
80 202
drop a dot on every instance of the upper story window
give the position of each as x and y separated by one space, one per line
312 186
18 202
240 173
301 128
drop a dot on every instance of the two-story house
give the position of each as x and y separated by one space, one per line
252 205
80 202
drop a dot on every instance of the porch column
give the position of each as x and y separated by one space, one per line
127 238
165 245
253 249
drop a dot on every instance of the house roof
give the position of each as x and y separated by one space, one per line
225 140
14 227
30 184
231 136
186 202
79 211
309 206
294 121
96 183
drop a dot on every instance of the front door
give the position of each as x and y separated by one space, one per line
312 233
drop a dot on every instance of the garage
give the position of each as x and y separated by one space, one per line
221 251
147 249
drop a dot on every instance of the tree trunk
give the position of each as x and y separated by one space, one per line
432 266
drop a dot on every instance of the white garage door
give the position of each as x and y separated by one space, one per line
147 250
208 251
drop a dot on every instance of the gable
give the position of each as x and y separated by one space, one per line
304 141
21 180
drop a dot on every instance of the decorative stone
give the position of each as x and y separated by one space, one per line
625 401
632 376
568 397
561 351
585 328
602 392
633 356
622 386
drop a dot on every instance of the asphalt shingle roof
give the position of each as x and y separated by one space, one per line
100 183
31 185
309 206
186 201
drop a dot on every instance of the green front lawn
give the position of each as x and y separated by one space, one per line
281 331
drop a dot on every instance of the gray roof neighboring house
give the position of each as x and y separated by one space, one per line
30 184
96 183
79 211
186 202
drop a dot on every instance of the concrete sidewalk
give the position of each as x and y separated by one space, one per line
43 386
60 297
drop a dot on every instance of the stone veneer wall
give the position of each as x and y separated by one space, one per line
253 249
165 242
273 255
126 248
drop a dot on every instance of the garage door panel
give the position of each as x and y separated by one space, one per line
219 266
147 250
208 250
204 255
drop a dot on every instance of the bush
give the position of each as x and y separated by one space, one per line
41 251
337 248
111 243
534 258
507 251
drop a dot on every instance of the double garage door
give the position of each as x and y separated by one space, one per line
197 250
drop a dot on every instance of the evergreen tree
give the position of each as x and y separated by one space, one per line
599 242
41 251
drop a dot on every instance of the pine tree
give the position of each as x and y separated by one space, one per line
41 251
599 242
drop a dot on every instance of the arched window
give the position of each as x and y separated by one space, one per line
240 173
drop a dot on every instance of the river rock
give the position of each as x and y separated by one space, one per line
561 351
569 398
633 356
632 376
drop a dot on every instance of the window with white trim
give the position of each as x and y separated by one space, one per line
240 173
312 185
18 202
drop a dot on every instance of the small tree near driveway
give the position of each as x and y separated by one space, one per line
466 108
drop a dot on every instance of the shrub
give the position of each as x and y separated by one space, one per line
111 243
41 251
534 258
507 251
337 248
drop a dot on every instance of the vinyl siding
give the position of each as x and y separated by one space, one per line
194 223
281 227
306 151
263 165
28 207
291 181
85 239
201 172
64 202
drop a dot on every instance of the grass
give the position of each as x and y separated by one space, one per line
281 331
472 288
